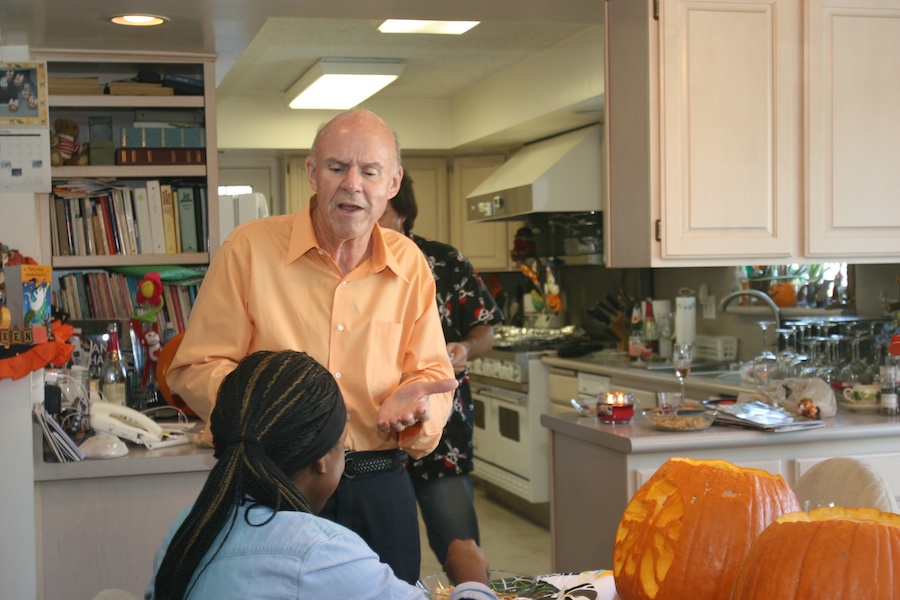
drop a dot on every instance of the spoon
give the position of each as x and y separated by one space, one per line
584 409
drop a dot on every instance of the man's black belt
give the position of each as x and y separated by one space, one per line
364 463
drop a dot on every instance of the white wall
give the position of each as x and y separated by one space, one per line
18 570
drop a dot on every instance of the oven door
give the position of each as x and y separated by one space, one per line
504 439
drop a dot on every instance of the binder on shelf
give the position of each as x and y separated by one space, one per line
187 218
162 137
161 156
64 238
157 225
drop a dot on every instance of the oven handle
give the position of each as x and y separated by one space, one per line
487 394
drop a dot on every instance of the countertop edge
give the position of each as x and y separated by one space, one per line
139 461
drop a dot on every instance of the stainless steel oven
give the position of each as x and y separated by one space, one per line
511 446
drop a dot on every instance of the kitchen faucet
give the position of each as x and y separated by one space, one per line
776 312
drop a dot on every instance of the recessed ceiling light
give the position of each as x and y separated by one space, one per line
439 27
138 20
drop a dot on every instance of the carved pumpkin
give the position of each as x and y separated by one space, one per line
827 554
686 531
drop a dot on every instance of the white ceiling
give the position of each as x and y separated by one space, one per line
264 46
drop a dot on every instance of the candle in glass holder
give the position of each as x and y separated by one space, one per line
615 407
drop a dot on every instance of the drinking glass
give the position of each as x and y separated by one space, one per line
682 357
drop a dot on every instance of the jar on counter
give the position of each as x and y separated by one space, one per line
889 405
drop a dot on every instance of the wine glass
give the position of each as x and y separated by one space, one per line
682 357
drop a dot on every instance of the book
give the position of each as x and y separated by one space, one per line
137 88
117 206
87 214
76 86
203 220
183 85
170 225
63 226
157 225
131 226
106 219
99 230
142 220
160 156
28 299
187 218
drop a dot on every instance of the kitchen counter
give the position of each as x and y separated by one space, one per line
596 468
101 521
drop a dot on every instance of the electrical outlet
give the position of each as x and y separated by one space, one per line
709 307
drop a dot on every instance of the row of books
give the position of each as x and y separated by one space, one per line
109 295
143 217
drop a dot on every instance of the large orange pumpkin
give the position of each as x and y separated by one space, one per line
686 531
828 554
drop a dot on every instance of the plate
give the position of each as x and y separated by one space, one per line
861 406
503 583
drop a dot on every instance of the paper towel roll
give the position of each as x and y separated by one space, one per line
662 311
685 319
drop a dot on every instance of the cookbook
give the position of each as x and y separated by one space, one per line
761 416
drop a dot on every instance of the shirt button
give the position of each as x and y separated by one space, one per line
337 375
340 327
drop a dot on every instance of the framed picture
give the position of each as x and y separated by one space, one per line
23 94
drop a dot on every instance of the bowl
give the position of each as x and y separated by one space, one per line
679 419
504 583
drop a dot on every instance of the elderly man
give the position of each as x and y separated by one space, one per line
358 299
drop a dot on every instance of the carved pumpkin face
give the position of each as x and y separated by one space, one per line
834 553
686 531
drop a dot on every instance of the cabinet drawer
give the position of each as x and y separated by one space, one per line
563 384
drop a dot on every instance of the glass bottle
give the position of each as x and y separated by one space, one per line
113 375
889 390
636 333
651 331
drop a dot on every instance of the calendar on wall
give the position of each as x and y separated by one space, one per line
24 128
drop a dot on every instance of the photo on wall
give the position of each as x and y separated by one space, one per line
23 94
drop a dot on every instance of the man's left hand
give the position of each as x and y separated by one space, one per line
409 405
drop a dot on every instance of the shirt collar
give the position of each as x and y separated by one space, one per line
303 239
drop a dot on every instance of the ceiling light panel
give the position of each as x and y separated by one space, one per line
340 84
433 27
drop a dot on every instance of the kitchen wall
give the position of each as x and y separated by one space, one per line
871 280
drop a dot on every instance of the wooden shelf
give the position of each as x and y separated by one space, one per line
101 261
109 101
129 171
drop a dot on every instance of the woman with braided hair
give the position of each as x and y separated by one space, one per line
278 426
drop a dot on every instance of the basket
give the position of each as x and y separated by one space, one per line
713 347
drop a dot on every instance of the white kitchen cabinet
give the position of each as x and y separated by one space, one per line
723 149
486 245
853 129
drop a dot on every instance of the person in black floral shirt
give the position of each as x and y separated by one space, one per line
468 315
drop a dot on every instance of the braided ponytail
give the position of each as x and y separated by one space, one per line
275 414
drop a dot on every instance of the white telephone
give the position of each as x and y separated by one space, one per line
125 423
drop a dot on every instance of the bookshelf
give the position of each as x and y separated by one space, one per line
78 255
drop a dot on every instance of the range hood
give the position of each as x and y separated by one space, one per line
559 174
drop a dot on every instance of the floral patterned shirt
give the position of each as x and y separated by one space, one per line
464 302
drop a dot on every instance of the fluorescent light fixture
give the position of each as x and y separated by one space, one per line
439 27
339 84
138 20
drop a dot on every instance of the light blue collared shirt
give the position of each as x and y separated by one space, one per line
296 555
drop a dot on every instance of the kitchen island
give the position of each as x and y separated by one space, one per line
596 468
99 522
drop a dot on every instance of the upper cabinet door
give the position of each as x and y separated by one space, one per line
730 131
853 139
